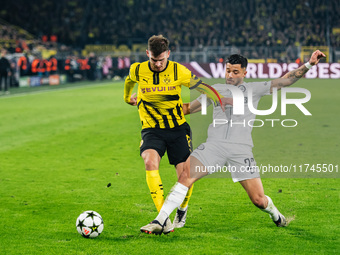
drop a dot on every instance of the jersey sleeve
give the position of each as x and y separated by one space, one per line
203 88
184 74
193 82
130 81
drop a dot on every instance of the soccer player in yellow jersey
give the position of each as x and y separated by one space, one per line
160 108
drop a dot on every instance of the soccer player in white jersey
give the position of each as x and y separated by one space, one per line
230 144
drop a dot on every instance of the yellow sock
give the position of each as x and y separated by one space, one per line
154 182
187 197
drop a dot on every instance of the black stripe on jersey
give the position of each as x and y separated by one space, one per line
155 78
179 112
166 122
193 81
157 100
170 97
172 113
137 72
165 119
175 72
151 115
173 117
138 104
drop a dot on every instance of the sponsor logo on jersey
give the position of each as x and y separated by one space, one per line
157 89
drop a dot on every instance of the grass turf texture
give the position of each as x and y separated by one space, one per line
59 150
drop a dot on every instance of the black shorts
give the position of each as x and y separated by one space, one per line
176 141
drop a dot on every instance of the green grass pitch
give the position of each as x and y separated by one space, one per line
60 147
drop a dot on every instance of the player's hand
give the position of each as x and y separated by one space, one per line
226 101
316 56
186 108
133 100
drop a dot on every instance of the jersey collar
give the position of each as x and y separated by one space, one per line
167 63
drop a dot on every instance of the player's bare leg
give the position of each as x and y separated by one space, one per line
176 196
151 161
254 189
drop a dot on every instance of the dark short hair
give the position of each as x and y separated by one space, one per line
157 44
237 59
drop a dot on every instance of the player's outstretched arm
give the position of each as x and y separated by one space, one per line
293 76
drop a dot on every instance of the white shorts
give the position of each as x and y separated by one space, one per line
222 157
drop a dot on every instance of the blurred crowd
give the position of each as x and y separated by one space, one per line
75 67
275 29
185 22
21 56
93 67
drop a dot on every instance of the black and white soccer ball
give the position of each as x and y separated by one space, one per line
90 224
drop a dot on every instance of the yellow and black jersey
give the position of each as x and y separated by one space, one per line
159 93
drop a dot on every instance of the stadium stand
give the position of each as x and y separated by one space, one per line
185 22
199 30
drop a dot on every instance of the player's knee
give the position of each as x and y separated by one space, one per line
150 164
183 178
259 201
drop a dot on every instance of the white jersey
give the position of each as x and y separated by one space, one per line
226 126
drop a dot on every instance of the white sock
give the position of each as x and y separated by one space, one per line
173 200
271 209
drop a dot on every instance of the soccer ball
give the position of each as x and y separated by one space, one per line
90 224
